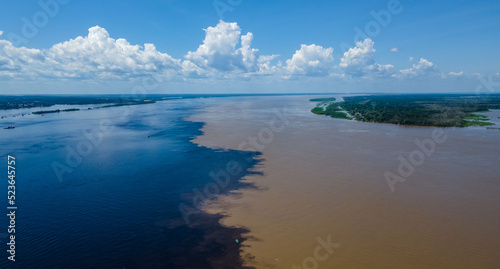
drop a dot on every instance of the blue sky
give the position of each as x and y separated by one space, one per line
293 46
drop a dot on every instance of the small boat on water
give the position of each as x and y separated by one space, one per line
9 127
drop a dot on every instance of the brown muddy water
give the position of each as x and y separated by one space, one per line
324 201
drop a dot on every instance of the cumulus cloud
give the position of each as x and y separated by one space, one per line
411 59
313 60
20 62
219 47
360 61
1 33
422 68
454 74
94 56
225 50
100 55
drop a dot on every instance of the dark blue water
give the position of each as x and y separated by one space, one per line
116 202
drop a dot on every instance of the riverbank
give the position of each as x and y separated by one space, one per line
431 110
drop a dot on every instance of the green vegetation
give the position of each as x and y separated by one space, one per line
55 111
340 115
420 110
478 123
477 117
318 110
477 120
15 102
323 100
138 102
130 103
329 108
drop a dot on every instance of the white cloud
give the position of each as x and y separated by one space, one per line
264 64
313 60
360 61
411 58
98 55
422 68
1 33
20 62
219 47
394 50
219 55
93 56
452 75
224 53
459 74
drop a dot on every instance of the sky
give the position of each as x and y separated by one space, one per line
243 46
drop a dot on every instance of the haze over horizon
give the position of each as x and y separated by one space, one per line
67 47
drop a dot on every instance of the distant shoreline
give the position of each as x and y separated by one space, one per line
412 110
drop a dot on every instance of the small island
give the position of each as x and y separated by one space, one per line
54 111
131 103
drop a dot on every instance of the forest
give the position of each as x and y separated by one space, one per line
442 110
